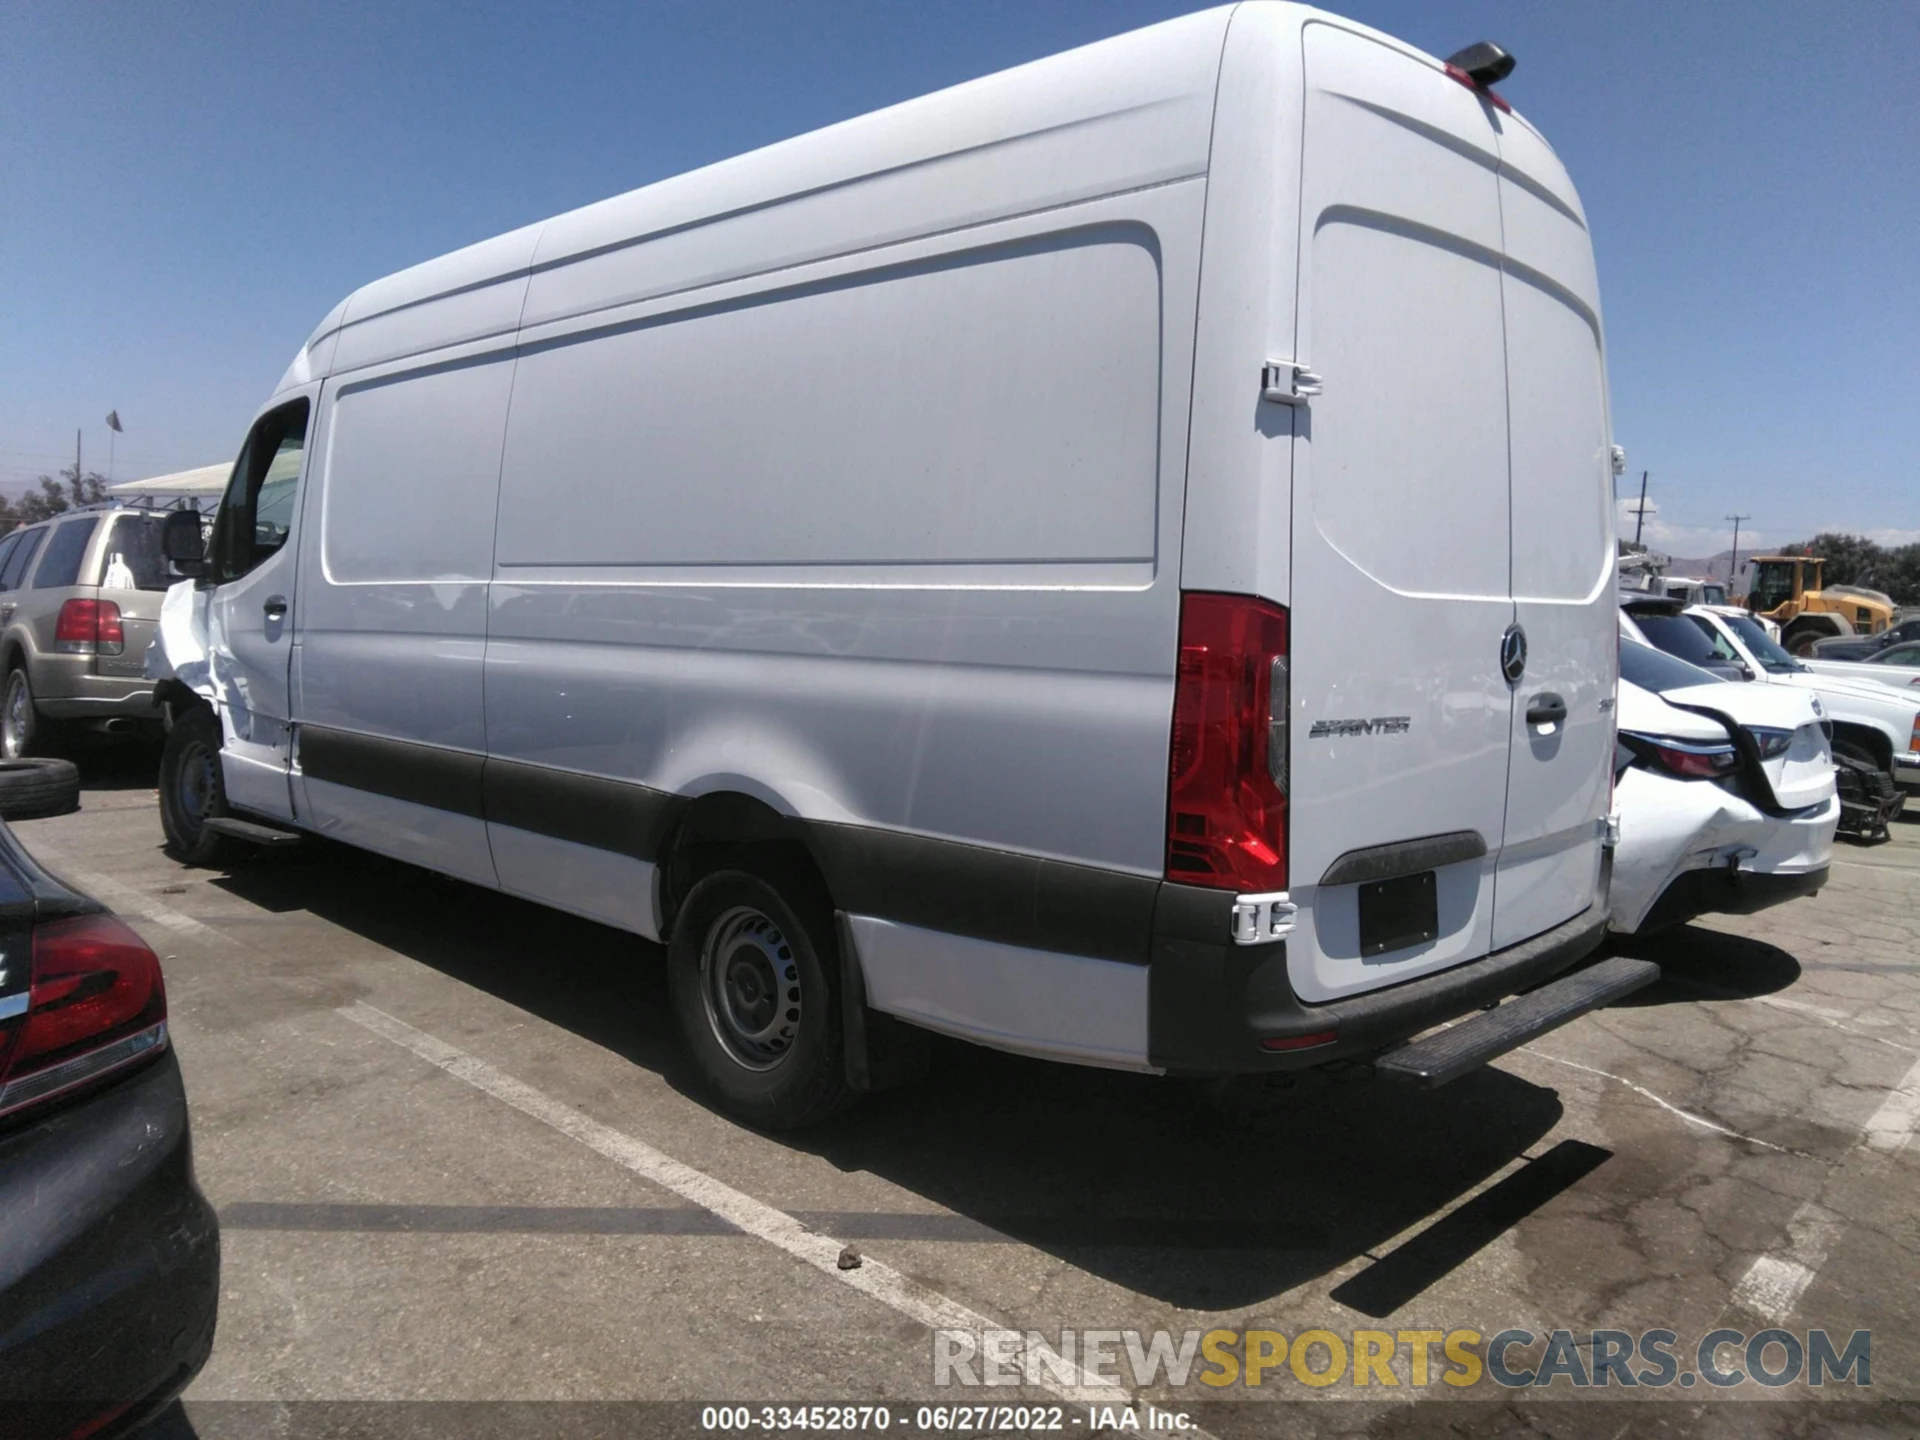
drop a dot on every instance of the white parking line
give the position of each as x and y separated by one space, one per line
1836 1018
1664 1104
1773 1284
881 1282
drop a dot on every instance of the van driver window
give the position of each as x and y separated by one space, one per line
257 512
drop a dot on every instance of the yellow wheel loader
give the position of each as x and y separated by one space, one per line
1787 590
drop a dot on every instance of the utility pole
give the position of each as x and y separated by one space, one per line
76 461
1733 565
1640 514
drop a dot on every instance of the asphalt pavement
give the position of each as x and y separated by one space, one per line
468 1185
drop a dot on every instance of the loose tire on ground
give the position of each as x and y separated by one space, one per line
192 790
33 786
753 973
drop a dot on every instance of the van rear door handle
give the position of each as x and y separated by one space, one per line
275 607
1546 708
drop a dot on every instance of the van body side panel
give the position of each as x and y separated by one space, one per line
1125 114
393 618
1034 1002
1401 720
891 590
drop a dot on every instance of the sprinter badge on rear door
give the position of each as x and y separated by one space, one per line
1378 725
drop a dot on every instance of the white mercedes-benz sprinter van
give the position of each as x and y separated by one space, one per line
1112 561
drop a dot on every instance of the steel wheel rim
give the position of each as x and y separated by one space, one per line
17 727
750 982
194 784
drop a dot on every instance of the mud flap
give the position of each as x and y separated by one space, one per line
881 1052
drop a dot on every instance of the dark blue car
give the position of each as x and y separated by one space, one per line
109 1253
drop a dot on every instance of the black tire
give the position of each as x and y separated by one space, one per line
23 729
1801 633
753 973
192 790
33 786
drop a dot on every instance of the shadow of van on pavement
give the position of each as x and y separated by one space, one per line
1700 964
1197 1195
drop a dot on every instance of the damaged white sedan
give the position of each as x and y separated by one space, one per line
1724 794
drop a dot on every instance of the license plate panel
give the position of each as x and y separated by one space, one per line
1397 913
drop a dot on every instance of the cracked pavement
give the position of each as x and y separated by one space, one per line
392 1235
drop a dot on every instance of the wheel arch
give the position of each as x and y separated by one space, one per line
1870 738
723 827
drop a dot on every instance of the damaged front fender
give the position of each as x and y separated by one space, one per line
179 651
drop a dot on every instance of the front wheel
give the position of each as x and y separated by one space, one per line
192 790
752 975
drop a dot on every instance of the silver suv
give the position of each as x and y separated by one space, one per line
79 597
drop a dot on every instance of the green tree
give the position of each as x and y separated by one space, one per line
72 488
1856 560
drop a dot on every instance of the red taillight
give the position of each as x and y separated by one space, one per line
87 627
1227 805
95 1002
1690 762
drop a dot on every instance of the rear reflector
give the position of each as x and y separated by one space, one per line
95 1003
1227 798
1300 1042
88 627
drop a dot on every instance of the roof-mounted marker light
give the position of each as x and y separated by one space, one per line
1480 67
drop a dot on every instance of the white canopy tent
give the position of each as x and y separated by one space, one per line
207 480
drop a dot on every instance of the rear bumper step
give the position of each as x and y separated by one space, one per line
1448 1054
247 830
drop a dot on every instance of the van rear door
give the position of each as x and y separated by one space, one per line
1563 565
1401 591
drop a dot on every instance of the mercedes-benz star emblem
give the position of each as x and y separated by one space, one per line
1513 654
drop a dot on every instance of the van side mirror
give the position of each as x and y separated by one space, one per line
182 544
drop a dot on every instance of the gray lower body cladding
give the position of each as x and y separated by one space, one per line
1210 1002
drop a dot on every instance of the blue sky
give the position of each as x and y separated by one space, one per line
186 188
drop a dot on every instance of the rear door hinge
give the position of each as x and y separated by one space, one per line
1288 382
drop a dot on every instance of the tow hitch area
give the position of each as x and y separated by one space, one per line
1448 1054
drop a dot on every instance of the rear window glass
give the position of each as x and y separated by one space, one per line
23 553
133 558
1651 670
60 566
1678 636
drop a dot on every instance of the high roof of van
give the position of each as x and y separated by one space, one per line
1134 110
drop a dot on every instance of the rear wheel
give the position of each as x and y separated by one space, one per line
753 974
192 790
23 731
